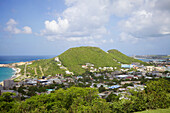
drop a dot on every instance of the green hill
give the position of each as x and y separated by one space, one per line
74 58
122 58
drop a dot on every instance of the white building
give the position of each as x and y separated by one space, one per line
57 59
69 73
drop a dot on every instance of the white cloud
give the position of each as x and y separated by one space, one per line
148 21
124 7
11 22
87 20
80 21
127 37
11 27
54 27
27 30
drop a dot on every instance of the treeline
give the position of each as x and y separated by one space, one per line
86 100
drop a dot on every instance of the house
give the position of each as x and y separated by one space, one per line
89 64
121 76
69 73
97 75
79 77
59 64
129 66
57 59
50 90
32 82
122 89
42 81
161 69
146 77
84 66
114 87
150 68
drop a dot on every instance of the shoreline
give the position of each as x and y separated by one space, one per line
16 70
14 75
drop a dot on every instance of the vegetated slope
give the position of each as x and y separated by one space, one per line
48 66
74 58
122 58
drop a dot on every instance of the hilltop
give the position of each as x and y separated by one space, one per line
73 59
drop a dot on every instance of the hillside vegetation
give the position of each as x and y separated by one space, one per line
74 58
122 58
48 66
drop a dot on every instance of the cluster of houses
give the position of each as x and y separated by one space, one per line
125 75
93 69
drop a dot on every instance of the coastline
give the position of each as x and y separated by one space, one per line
16 73
13 76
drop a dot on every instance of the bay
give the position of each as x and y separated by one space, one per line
6 73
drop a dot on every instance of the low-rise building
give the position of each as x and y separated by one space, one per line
8 84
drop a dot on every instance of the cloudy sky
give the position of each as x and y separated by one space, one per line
49 27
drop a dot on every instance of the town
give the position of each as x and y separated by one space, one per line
108 80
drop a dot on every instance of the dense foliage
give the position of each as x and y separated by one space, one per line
83 100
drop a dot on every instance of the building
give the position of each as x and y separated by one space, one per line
69 73
8 84
1 88
129 66
57 59
150 68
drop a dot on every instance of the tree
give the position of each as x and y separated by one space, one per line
157 96
101 89
112 97
6 101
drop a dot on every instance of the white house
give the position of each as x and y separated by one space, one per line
57 59
69 73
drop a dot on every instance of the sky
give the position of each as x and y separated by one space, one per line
50 27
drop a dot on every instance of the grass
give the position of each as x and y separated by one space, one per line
156 111
49 67
74 58
120 57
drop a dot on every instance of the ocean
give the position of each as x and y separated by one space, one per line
6 73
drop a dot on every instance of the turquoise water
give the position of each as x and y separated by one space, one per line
5 73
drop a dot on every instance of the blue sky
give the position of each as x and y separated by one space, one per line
49 27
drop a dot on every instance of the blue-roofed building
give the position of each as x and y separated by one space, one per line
50 90
114 87
126 66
